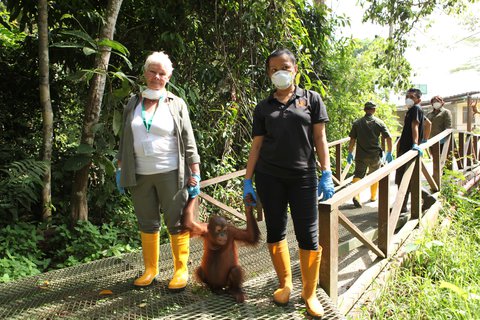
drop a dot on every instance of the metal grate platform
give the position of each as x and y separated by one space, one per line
74 293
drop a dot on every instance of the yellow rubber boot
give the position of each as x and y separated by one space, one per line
150 251
281 261
180 244
356 198
310 267
373 191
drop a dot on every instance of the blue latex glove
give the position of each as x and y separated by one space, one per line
248 188
194 191
416 147
325 186
120 189
389 157
349 158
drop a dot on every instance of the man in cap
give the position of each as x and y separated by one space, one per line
365 133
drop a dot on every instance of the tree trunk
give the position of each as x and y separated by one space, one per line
46 103
92 112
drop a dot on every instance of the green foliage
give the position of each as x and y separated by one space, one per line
439 278
21 258
87 242
55 245
20 185
10 35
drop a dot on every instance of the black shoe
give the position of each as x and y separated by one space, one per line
356 203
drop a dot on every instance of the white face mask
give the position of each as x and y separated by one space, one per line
282 79
409 103
153 94
437 105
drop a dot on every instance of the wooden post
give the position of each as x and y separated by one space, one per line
416 190
461 151
328 240
469 114
383 215
475 149
469 150
338 162
437 170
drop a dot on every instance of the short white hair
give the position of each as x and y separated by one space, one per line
159 57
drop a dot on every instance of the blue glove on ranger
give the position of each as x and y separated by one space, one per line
389 157
325 186
416 147
120 189
194 191
248 188
349 158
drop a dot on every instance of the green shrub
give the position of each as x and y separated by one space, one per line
21 258
20 186
87 242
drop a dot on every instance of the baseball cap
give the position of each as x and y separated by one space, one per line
370 104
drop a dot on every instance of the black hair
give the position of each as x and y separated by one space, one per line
416 92
279 52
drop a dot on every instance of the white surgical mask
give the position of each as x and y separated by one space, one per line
282 79
409 103
153 94
437 105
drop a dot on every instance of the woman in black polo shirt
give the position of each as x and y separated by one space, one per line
288 127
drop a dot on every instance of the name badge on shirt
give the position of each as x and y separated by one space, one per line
148 147
301 103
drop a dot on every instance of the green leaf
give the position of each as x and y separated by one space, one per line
88 51
85 149
117 122
115 45
98 126
77 162
81 35
434 243
67 45
411 247
454 288
67 16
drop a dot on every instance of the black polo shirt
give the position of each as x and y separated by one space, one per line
406 138
288 147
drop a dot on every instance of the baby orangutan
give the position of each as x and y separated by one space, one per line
220 268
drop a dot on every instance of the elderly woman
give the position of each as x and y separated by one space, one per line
157 156
288 130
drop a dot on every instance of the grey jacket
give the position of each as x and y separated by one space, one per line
187 148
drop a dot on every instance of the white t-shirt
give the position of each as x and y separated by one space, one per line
157 150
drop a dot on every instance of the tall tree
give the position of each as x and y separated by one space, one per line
92 112
46 103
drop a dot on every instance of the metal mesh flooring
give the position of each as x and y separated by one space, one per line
74 293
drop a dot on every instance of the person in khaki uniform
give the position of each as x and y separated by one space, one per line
156 158
365 134
440 117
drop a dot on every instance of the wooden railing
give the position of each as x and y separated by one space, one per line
461 148
464 150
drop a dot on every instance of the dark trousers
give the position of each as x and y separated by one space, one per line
276 194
